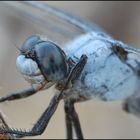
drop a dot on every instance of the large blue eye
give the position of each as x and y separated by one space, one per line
50 58
30 43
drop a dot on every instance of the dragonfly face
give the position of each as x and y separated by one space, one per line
41 60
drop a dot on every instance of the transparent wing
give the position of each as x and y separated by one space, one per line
53 22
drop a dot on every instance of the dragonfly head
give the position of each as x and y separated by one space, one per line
48 56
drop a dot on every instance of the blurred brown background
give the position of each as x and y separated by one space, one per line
98 119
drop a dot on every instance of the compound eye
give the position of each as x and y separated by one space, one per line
30 43
51 60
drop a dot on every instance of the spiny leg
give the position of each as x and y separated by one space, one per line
76 72
19 95
40 125
68 120
132 104
72 120
76 123
43 121
71 116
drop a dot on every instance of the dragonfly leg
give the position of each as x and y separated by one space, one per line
78 68
72 119
40 125
76 123
68 120
132 105
19 95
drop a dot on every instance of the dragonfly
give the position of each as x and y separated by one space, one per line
92 65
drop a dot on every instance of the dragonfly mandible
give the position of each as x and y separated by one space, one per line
93 65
